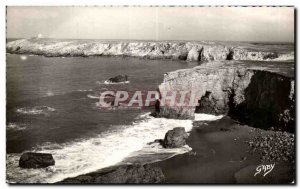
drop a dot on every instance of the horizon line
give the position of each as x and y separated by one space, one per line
151 40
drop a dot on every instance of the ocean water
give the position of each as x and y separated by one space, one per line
52 107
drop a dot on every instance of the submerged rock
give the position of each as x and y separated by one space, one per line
175 138
118 79
128 174
36 160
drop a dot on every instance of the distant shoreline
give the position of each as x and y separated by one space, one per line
176 50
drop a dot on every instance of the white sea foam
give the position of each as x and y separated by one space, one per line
23 57
49 93
207 117
107 82
35 110
155 152
111 148
85 90
93 96
15 127
284 57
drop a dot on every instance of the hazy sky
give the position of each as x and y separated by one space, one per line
154 23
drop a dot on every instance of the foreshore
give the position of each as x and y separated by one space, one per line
220 155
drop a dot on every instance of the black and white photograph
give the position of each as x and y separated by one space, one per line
150 95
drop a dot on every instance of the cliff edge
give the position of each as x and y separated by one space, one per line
255 95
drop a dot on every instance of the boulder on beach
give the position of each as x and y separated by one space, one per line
175 138
118 79
36 160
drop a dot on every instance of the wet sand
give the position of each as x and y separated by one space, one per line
221 155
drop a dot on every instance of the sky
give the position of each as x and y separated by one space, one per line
273 24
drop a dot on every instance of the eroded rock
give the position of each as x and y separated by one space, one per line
256 96
175 138
36 160
194 54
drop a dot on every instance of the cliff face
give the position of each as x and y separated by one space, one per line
257 97
190 51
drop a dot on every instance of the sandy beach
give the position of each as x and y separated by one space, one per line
221 155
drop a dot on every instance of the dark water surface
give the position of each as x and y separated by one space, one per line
64 85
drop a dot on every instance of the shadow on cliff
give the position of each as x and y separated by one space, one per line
268 104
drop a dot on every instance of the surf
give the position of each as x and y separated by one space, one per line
124 145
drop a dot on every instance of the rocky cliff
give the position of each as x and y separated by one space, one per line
190 51
254 95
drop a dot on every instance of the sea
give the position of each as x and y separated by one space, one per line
53 107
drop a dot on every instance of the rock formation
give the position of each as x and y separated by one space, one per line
190 51
36 160
254 95
175 138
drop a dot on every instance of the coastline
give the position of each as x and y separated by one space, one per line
177 50
220 155
212 146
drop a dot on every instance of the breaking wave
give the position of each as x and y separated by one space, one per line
85 90
285 57
93 96
107 82
15 127
207 117
35 110
127 144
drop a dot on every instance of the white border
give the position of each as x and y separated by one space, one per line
4 3
150 2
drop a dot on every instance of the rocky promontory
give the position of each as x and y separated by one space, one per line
178 50
255 94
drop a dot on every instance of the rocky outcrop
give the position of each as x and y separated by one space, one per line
211 53
194 54
36 160
254 95
175 138
128 174
190 51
